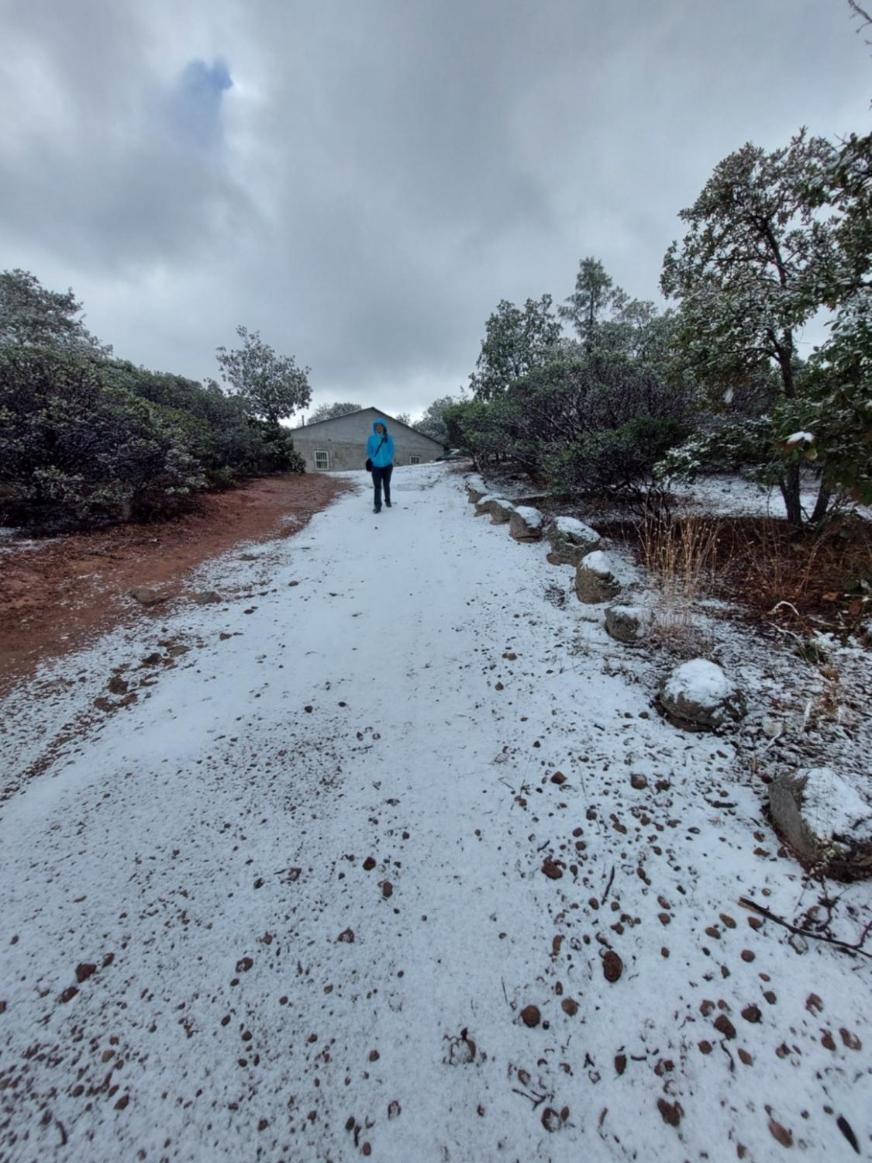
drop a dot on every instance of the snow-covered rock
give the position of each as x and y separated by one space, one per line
627 623
595 580
483 504
497 508
500 510
824 820
526 523
698 694
475 489
570 540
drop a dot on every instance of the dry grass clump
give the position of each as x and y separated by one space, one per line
808 580
679 553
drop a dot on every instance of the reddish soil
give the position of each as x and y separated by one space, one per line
58 593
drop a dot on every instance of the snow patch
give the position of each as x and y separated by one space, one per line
530 516
832 808
599 563
572 527
700 681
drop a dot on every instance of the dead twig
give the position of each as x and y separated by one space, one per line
535 1099
857 947
608 886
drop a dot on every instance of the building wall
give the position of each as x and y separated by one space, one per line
344 440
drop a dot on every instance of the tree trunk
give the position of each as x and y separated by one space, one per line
784 350
823 501
789 485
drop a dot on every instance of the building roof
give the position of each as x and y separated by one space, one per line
376 412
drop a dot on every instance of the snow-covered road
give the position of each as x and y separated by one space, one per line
288 902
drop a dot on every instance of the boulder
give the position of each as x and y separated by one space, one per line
526 524
570 540
824 820
148 598
483 504
627 623
501 511
698 695
475 490
594 578
207 598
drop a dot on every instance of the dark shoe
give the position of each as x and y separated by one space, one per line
375 509
388 504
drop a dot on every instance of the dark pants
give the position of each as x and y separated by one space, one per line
382 476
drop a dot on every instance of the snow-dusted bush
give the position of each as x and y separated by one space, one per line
73 450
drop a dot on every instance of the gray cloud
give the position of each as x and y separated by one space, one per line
363 182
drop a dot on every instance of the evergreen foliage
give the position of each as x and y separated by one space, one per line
328 411
774 238
272 387
433 423
636 396
85 438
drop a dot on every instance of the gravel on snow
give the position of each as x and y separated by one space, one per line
387 853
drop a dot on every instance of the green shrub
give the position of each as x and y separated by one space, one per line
615 461
74 451
277 452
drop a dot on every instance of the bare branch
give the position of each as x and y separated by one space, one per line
856 948
862 15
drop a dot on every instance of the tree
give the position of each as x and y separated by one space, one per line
594 293
32 316
516 341
749 273
329 411
433 422
272 386
404 418
580 423
837 408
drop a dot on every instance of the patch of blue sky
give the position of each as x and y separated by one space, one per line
195 105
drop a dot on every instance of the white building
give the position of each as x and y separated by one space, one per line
340 442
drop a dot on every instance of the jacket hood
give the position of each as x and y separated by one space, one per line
383 423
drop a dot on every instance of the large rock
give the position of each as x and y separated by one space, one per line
501 511
497 508
595 580
699 695
475 490
148 598
570 540
483 504
824 820
627 623
207 598
526 524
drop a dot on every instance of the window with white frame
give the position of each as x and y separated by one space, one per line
322 458
414 460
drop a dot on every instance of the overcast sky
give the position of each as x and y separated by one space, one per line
363 180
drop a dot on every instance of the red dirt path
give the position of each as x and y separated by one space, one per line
58 593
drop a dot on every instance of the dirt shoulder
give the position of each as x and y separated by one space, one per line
57 593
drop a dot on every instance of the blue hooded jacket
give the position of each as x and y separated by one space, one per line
385 449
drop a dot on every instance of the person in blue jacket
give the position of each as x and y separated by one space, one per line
380 461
